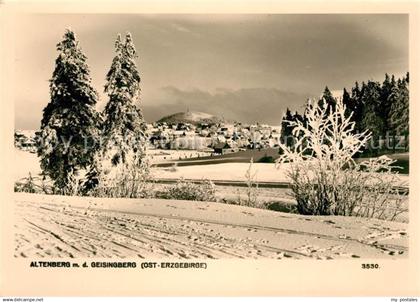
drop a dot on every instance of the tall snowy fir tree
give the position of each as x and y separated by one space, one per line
356 95
349 103
372 118
124 129
329 99
385 107
70 123
399 110
286 129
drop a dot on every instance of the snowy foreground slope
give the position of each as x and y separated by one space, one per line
57 226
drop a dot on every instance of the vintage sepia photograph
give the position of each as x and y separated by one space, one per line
212 136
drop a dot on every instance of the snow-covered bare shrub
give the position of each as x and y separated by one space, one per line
27 185
383 197
251 186
325 179
129 180
33 184
187 190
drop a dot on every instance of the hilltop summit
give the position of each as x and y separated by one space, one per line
192 117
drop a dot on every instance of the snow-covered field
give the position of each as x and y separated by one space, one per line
59 226
265 172
227 171
161 156
26 162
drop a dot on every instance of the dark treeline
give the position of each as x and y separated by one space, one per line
381 108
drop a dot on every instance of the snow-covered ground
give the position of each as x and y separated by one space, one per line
58 226
265 172
26 162
226 171
161 156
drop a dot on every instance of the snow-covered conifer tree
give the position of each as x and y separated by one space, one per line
70 123
121 161
124 127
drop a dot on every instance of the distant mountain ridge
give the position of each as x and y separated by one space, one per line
192 117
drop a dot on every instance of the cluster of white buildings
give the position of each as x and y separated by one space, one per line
215 138
227 137
26 140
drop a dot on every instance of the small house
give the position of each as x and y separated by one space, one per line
224 148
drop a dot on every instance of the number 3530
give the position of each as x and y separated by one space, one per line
370 265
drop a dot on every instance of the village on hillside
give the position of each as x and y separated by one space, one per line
220 138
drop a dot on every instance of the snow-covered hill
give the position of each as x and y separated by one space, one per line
62 226
192 117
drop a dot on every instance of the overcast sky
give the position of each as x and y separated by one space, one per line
243 67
